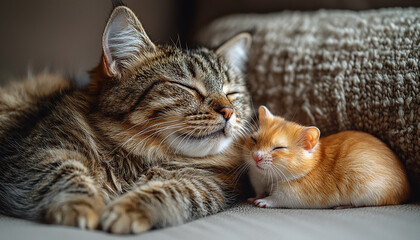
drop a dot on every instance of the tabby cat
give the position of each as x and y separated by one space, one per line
146 144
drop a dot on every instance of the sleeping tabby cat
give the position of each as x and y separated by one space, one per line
145 144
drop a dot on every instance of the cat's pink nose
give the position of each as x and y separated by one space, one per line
257 158
226 112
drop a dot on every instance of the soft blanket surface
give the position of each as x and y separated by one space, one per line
338 70
246 221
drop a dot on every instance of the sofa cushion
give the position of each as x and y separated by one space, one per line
245 221
338 70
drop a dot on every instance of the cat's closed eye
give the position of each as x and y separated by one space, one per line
253 139
195 91
229 95
279 148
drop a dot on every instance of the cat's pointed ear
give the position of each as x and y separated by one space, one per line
264 114
310 138
235 50
124 42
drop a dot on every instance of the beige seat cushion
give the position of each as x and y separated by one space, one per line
248 222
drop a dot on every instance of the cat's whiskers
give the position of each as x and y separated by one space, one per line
144 121
146 130
270 182
163 140
290 187
242 132
149 137
238 172
169 146
159 130
254 113
240 146
282 173
188 136
159 149
191 132
292 176
134 136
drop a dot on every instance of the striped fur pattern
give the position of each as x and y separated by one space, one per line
146 144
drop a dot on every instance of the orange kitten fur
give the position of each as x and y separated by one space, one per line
298 170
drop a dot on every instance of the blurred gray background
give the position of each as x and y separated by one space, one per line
65 35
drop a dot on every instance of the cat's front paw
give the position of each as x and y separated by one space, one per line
81 213
265 203
123 217
252 200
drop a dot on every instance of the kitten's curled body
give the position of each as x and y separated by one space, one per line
139 147
298 170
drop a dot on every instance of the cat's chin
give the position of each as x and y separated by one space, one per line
202 147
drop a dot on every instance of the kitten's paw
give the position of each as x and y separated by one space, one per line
122 217
252 200
74 213
265 203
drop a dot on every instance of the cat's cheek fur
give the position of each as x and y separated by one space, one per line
204 147
200 148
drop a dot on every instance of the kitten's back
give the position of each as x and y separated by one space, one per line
364 160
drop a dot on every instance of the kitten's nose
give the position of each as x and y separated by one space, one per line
257 157
226 112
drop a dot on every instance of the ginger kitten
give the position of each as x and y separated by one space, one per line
296 169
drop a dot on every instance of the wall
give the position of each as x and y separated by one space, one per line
65 35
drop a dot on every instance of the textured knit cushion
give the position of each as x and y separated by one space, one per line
338 70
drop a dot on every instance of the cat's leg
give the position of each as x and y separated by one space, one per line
168 198
69 195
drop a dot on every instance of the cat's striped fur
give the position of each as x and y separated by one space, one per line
145 144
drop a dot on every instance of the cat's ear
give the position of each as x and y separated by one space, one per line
235 50
310 138
264 114
124 42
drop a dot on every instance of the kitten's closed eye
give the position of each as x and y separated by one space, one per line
278 148
253 139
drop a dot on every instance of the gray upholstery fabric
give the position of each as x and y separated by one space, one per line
338 70
248 222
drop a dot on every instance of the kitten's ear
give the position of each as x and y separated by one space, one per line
264 113
235 50
124 42
310 138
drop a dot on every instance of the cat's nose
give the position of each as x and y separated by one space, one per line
226 112
257 157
